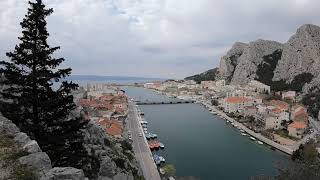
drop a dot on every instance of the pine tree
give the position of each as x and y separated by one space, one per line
30 100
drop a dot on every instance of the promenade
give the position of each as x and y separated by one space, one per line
140 145
278 146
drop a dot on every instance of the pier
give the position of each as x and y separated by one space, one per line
164 102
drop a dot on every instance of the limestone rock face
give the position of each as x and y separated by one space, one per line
270 61
251 58
229 62
67 173
241 62
36 160
105 148
301 54
39 161
7 127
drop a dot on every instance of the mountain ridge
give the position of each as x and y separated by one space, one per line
280 65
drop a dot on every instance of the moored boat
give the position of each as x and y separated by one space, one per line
259 142
162 159
156 159
161 145
252 138
243 134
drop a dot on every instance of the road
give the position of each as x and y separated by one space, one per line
140 146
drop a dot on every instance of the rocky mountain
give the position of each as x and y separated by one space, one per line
293 65
301 54
209 75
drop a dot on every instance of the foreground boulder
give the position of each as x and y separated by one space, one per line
67 173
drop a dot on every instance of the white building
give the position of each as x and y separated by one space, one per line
291 95
237 104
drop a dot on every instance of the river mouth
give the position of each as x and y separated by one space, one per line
203 145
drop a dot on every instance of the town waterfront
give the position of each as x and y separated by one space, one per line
201 144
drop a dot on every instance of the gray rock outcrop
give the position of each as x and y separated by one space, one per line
229 62
67 173
251 58
105 148
240 64
36 160
39 161
300 55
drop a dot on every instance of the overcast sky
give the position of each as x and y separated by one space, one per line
157 38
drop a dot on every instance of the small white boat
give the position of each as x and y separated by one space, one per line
242 131
259 142
228 121
243 134
252 138
161 145
162 171
162 159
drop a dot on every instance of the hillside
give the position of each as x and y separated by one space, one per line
209 75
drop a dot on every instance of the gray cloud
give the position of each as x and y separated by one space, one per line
158 38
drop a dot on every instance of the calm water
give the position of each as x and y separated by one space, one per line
200 144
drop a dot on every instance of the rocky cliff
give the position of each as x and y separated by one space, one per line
22 158
115 158
301 54
296 62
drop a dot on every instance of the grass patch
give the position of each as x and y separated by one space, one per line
285 134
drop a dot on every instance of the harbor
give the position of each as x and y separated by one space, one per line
152 140
180 127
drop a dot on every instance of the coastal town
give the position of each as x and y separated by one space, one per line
109 107
277 116
276 119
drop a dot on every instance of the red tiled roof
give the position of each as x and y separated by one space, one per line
280 104
298 125
235 100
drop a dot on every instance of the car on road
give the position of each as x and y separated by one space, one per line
140 134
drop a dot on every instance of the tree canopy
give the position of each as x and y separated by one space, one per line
32 102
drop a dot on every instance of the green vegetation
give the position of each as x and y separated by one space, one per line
312 101
305 164
296 85
285 134
215 102
169 170
266 69
9 154
32 103
126 145
209 75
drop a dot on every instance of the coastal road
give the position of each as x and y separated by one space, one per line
139 144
